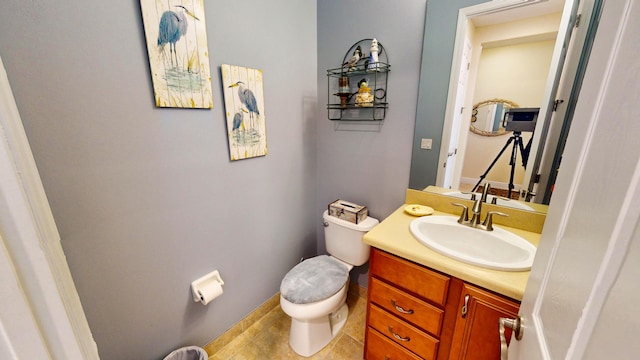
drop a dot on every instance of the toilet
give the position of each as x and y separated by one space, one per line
314 292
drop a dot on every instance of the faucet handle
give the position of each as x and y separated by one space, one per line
464 216
495 198
488 221
472 195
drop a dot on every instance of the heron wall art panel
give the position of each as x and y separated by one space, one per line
244 106
178 54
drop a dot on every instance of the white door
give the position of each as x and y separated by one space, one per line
539 144
581 299
452 153
550 141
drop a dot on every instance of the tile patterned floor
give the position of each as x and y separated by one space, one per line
268 338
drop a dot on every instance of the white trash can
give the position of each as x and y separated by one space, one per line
188 353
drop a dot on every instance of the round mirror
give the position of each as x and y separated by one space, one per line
486 116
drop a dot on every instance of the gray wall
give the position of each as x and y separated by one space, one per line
146 199
439 38
369 164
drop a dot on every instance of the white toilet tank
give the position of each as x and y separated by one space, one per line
343 239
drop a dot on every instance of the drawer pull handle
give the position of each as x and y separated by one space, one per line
398 337
400 309
465 307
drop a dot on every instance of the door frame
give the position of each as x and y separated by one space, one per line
31 242
457 139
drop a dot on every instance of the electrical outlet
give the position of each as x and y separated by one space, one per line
426 144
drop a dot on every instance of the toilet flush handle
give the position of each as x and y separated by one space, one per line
326 224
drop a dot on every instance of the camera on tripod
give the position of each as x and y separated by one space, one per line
516 120
520 119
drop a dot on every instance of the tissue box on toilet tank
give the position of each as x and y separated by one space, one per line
348 211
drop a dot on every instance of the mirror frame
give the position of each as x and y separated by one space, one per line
474 112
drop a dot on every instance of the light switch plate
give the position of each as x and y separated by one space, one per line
426 144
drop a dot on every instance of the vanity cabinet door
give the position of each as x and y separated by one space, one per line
475 335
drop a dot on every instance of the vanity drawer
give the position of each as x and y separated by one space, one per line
407 307
381 348
402 333
414 278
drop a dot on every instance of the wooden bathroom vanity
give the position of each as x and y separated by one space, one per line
413 310
423 305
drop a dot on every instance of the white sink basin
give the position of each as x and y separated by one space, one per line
499 201
498 249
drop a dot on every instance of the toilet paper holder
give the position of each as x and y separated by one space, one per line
198 285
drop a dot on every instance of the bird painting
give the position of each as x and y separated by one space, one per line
238 123
244 95
178 53
247 98
173 26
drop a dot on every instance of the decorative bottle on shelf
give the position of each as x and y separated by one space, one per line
343 85
344 91
373 56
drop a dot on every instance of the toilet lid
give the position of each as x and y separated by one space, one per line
313 280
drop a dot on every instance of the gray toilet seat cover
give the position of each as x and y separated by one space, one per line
313 280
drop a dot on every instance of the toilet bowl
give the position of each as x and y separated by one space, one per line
314 295
314 292
314 325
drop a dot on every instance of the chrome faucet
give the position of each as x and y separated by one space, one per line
476 210
477 205
485 192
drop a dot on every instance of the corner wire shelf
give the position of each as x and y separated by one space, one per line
376 76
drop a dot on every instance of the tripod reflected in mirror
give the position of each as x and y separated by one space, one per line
516 142
516 120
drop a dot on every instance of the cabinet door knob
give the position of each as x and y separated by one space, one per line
400 309
465 307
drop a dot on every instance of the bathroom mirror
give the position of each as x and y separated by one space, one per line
487 115
437 105
499 199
